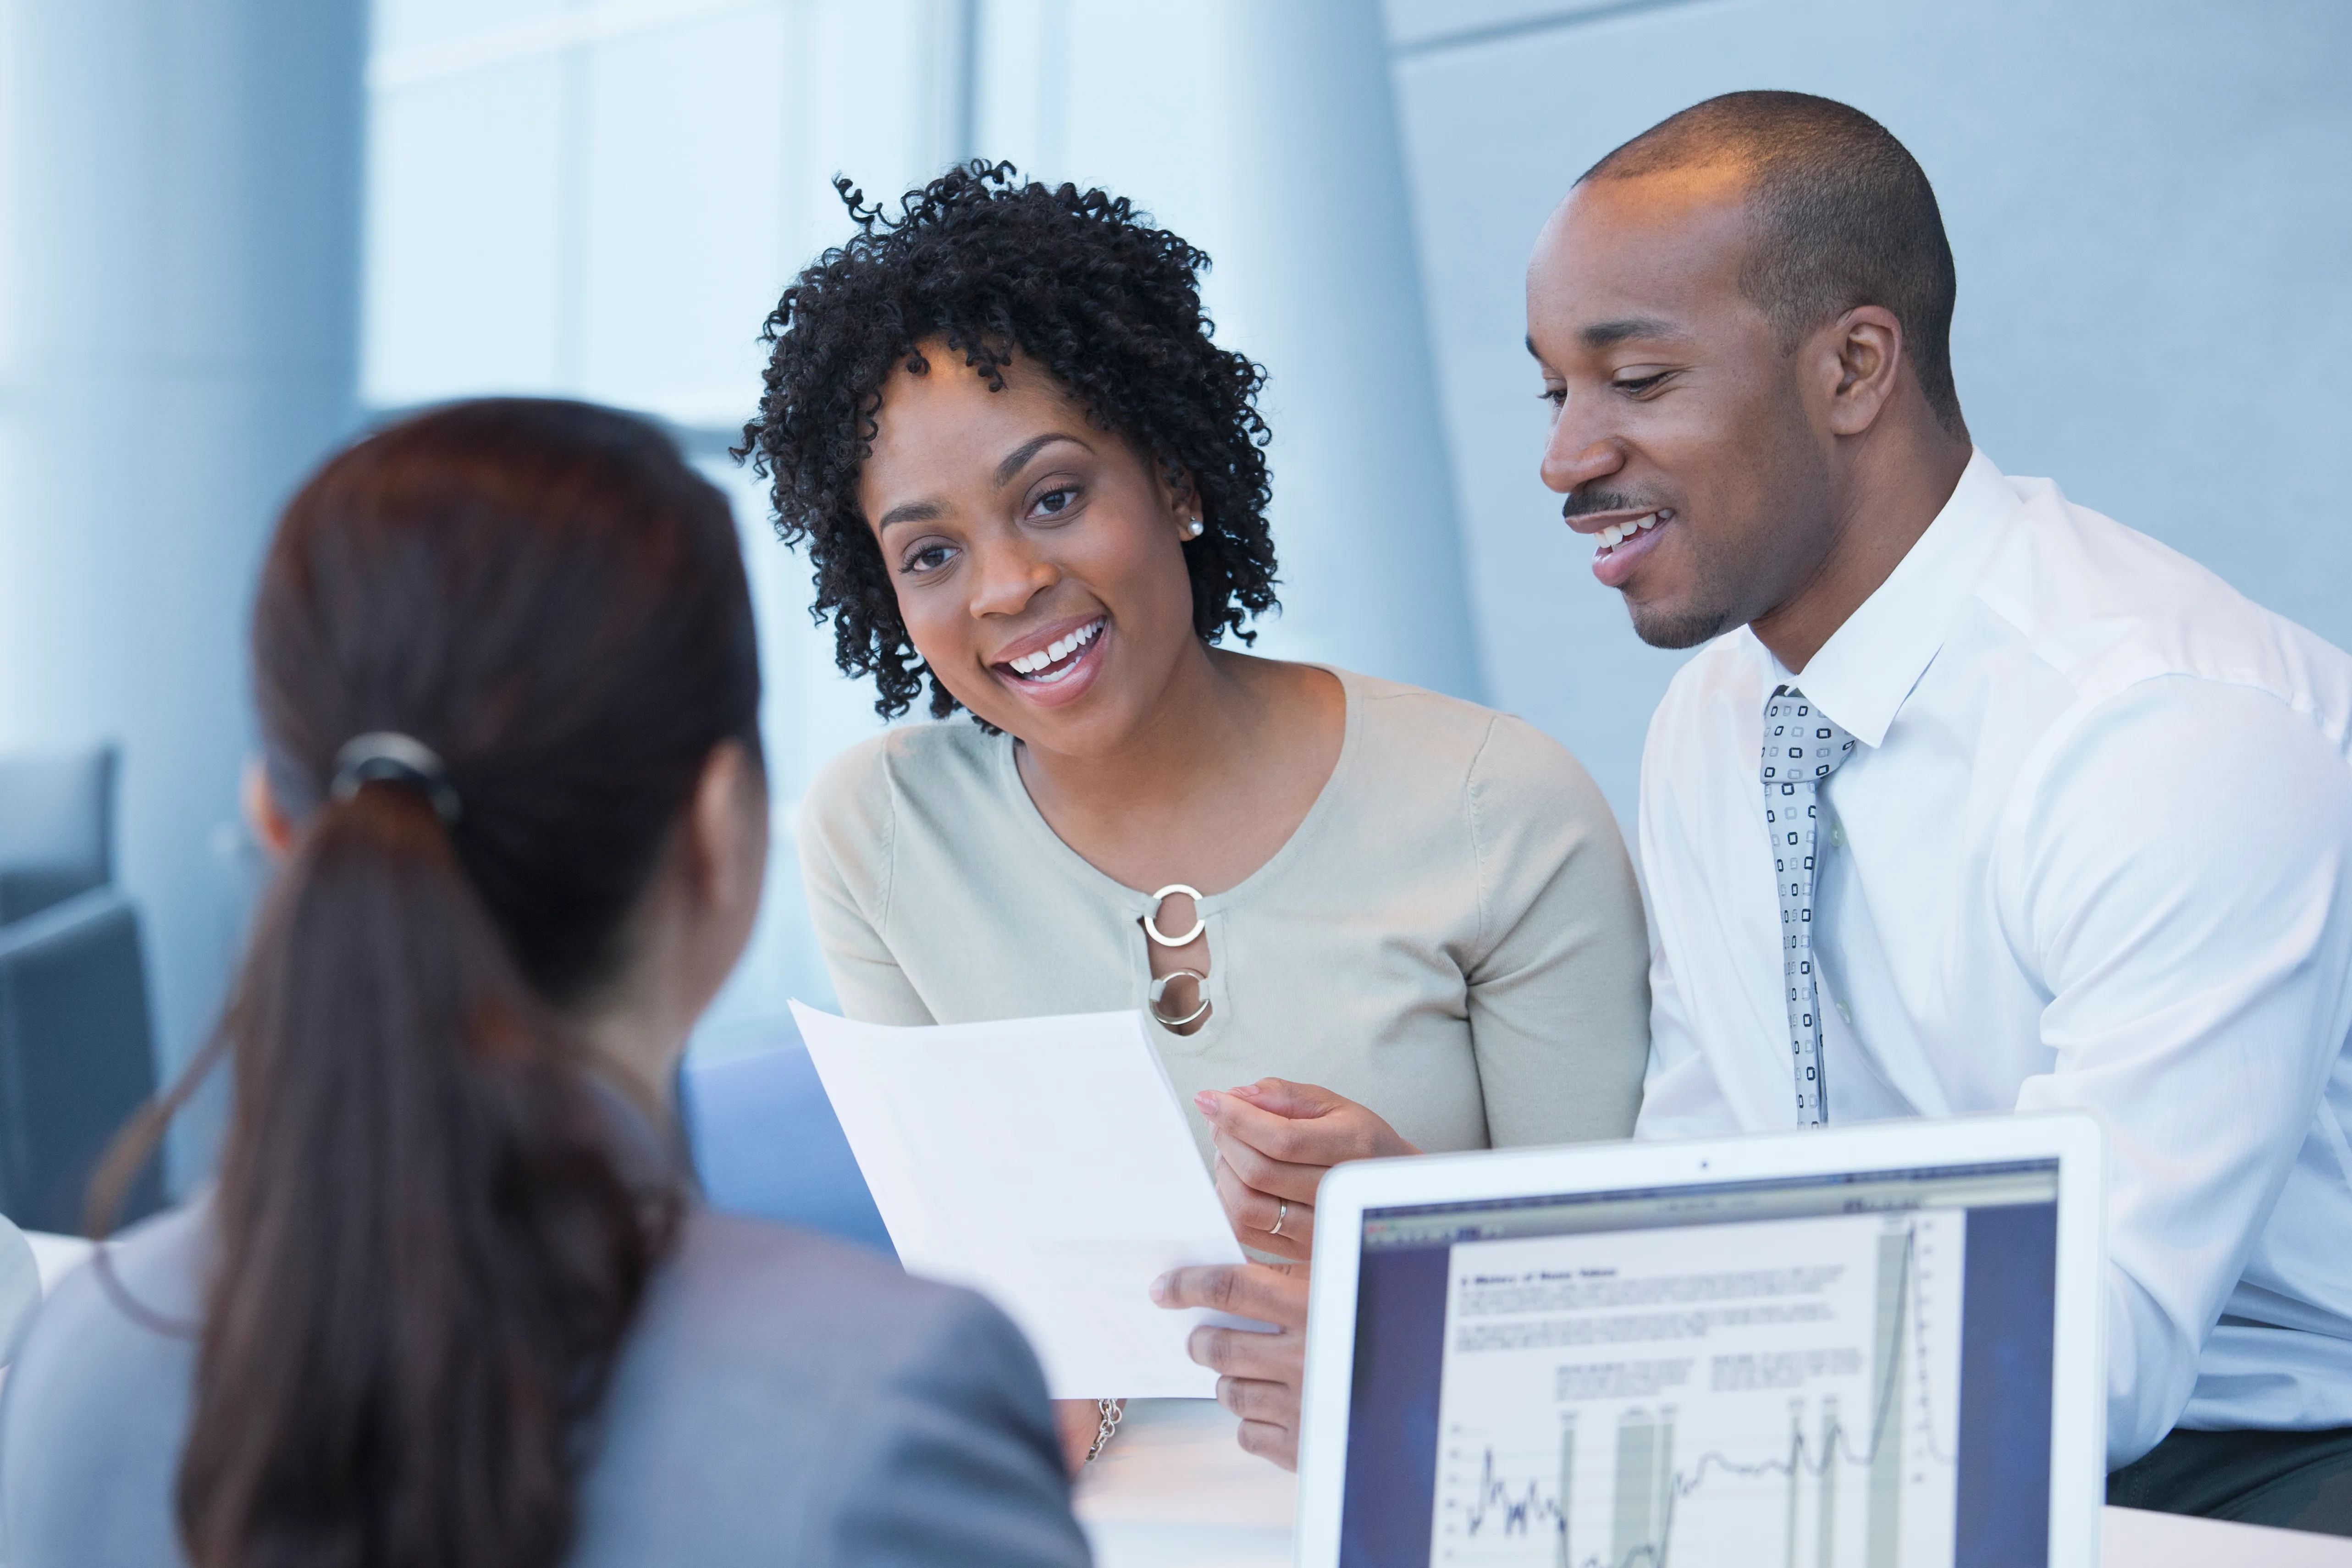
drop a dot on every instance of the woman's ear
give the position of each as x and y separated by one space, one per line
262 815
1182 498
1178 492
731 829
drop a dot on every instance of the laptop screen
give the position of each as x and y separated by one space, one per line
1830 1372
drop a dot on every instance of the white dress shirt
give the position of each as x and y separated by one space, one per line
2095 850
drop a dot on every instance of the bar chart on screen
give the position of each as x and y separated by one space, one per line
1778 1392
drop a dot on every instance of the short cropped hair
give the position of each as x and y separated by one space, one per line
989 265
1843 215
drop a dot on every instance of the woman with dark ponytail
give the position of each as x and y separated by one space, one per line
450 1303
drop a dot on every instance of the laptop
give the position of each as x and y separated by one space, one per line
1868 1347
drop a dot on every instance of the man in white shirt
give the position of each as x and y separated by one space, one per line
1973 799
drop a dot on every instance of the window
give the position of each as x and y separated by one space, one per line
604 200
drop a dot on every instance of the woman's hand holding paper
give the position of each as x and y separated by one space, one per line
1275 1140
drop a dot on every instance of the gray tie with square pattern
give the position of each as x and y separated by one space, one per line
1802 747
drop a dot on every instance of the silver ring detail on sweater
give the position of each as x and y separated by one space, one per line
1158 993
1152 921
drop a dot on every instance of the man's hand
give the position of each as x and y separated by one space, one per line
1258 1374
1275 1140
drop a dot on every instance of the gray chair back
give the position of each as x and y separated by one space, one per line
56 828
76 1042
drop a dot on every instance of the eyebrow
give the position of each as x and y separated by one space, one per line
1608 334
910 511
1014 461
1018 459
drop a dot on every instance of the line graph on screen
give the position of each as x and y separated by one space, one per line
1810 1479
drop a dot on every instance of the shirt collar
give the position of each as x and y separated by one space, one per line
1863 674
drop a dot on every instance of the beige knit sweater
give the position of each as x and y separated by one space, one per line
1452 936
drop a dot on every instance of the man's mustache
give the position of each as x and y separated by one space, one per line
1584 502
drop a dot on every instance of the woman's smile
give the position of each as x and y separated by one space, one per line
1055 665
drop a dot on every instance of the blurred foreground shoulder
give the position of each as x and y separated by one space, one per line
966 1466
843 1412
96 1404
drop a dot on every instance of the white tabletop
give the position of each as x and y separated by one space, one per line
1175 1492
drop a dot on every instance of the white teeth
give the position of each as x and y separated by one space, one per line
1030 664
1617 534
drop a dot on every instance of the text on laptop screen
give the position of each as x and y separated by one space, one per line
1836 1372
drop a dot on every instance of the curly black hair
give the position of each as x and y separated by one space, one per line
989 265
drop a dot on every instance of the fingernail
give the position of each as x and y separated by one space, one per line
1207 1101
1160 1287
1247 1091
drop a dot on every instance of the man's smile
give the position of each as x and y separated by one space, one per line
1624 536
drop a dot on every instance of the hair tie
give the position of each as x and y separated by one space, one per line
384 756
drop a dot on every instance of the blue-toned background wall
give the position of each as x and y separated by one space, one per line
2149 207
231 230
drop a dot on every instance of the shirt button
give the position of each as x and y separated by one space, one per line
1844 1012
1837 835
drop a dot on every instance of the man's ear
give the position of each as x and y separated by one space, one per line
268 823
1859 357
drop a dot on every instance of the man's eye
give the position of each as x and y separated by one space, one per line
1640 384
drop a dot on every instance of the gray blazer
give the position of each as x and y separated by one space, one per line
782 1399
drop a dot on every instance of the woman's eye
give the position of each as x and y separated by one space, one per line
930 558
1555 396
1053 503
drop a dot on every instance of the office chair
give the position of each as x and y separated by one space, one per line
77 1051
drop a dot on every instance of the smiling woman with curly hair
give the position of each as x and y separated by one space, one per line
1025 474
1103 304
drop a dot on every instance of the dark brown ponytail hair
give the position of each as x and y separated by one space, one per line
431 1244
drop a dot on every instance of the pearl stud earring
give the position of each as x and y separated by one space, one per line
1193 527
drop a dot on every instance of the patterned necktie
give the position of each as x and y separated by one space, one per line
1802 747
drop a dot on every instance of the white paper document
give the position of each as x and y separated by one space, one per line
1044 1163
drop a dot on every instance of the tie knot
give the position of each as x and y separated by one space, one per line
1801 743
